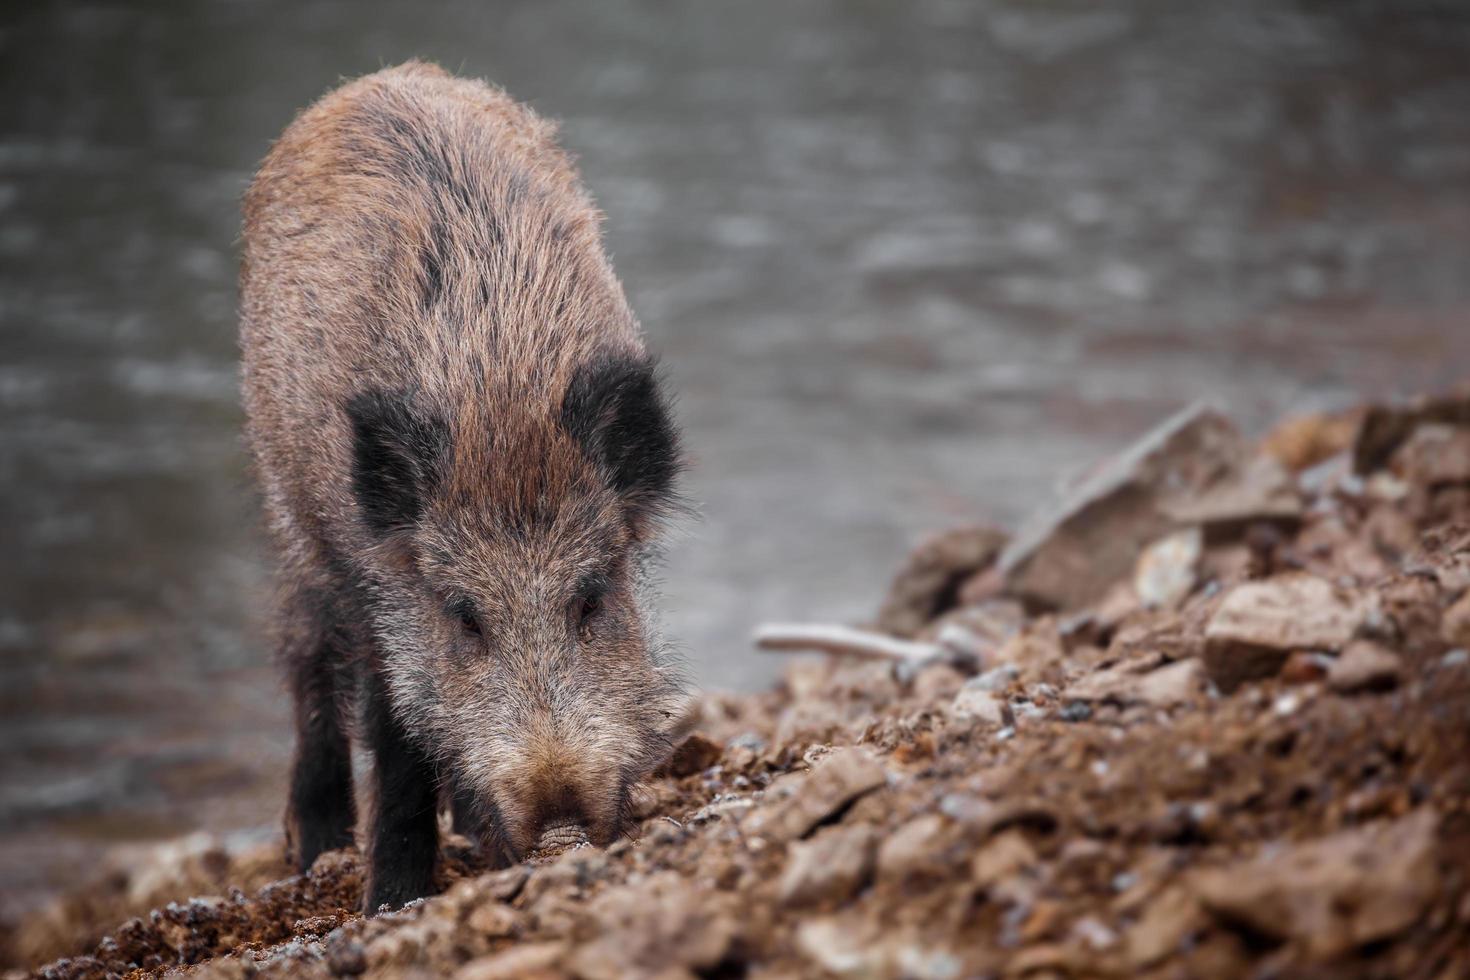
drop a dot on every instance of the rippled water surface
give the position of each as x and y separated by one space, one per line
907 263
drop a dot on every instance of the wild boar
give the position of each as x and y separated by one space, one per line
466 455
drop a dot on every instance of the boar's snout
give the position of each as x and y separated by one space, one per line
560 796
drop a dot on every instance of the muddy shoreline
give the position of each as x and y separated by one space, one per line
1207 715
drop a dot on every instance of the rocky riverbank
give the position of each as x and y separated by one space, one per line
1208 715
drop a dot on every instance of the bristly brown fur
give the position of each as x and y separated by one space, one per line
464 452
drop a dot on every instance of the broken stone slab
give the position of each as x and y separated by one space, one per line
1334 894
830 867
1195 468
1364 666
928 583
837 780
1259 624
1068 555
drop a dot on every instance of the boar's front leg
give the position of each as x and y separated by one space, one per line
322 813
405 826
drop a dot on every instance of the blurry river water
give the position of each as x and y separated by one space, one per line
908 264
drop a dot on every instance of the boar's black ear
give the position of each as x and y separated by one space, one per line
616 409
396 454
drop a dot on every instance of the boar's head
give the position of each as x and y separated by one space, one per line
510 538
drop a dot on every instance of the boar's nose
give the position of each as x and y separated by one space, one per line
562 786
560 821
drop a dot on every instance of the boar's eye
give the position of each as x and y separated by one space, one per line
464 611
588 601
584 608
470 624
